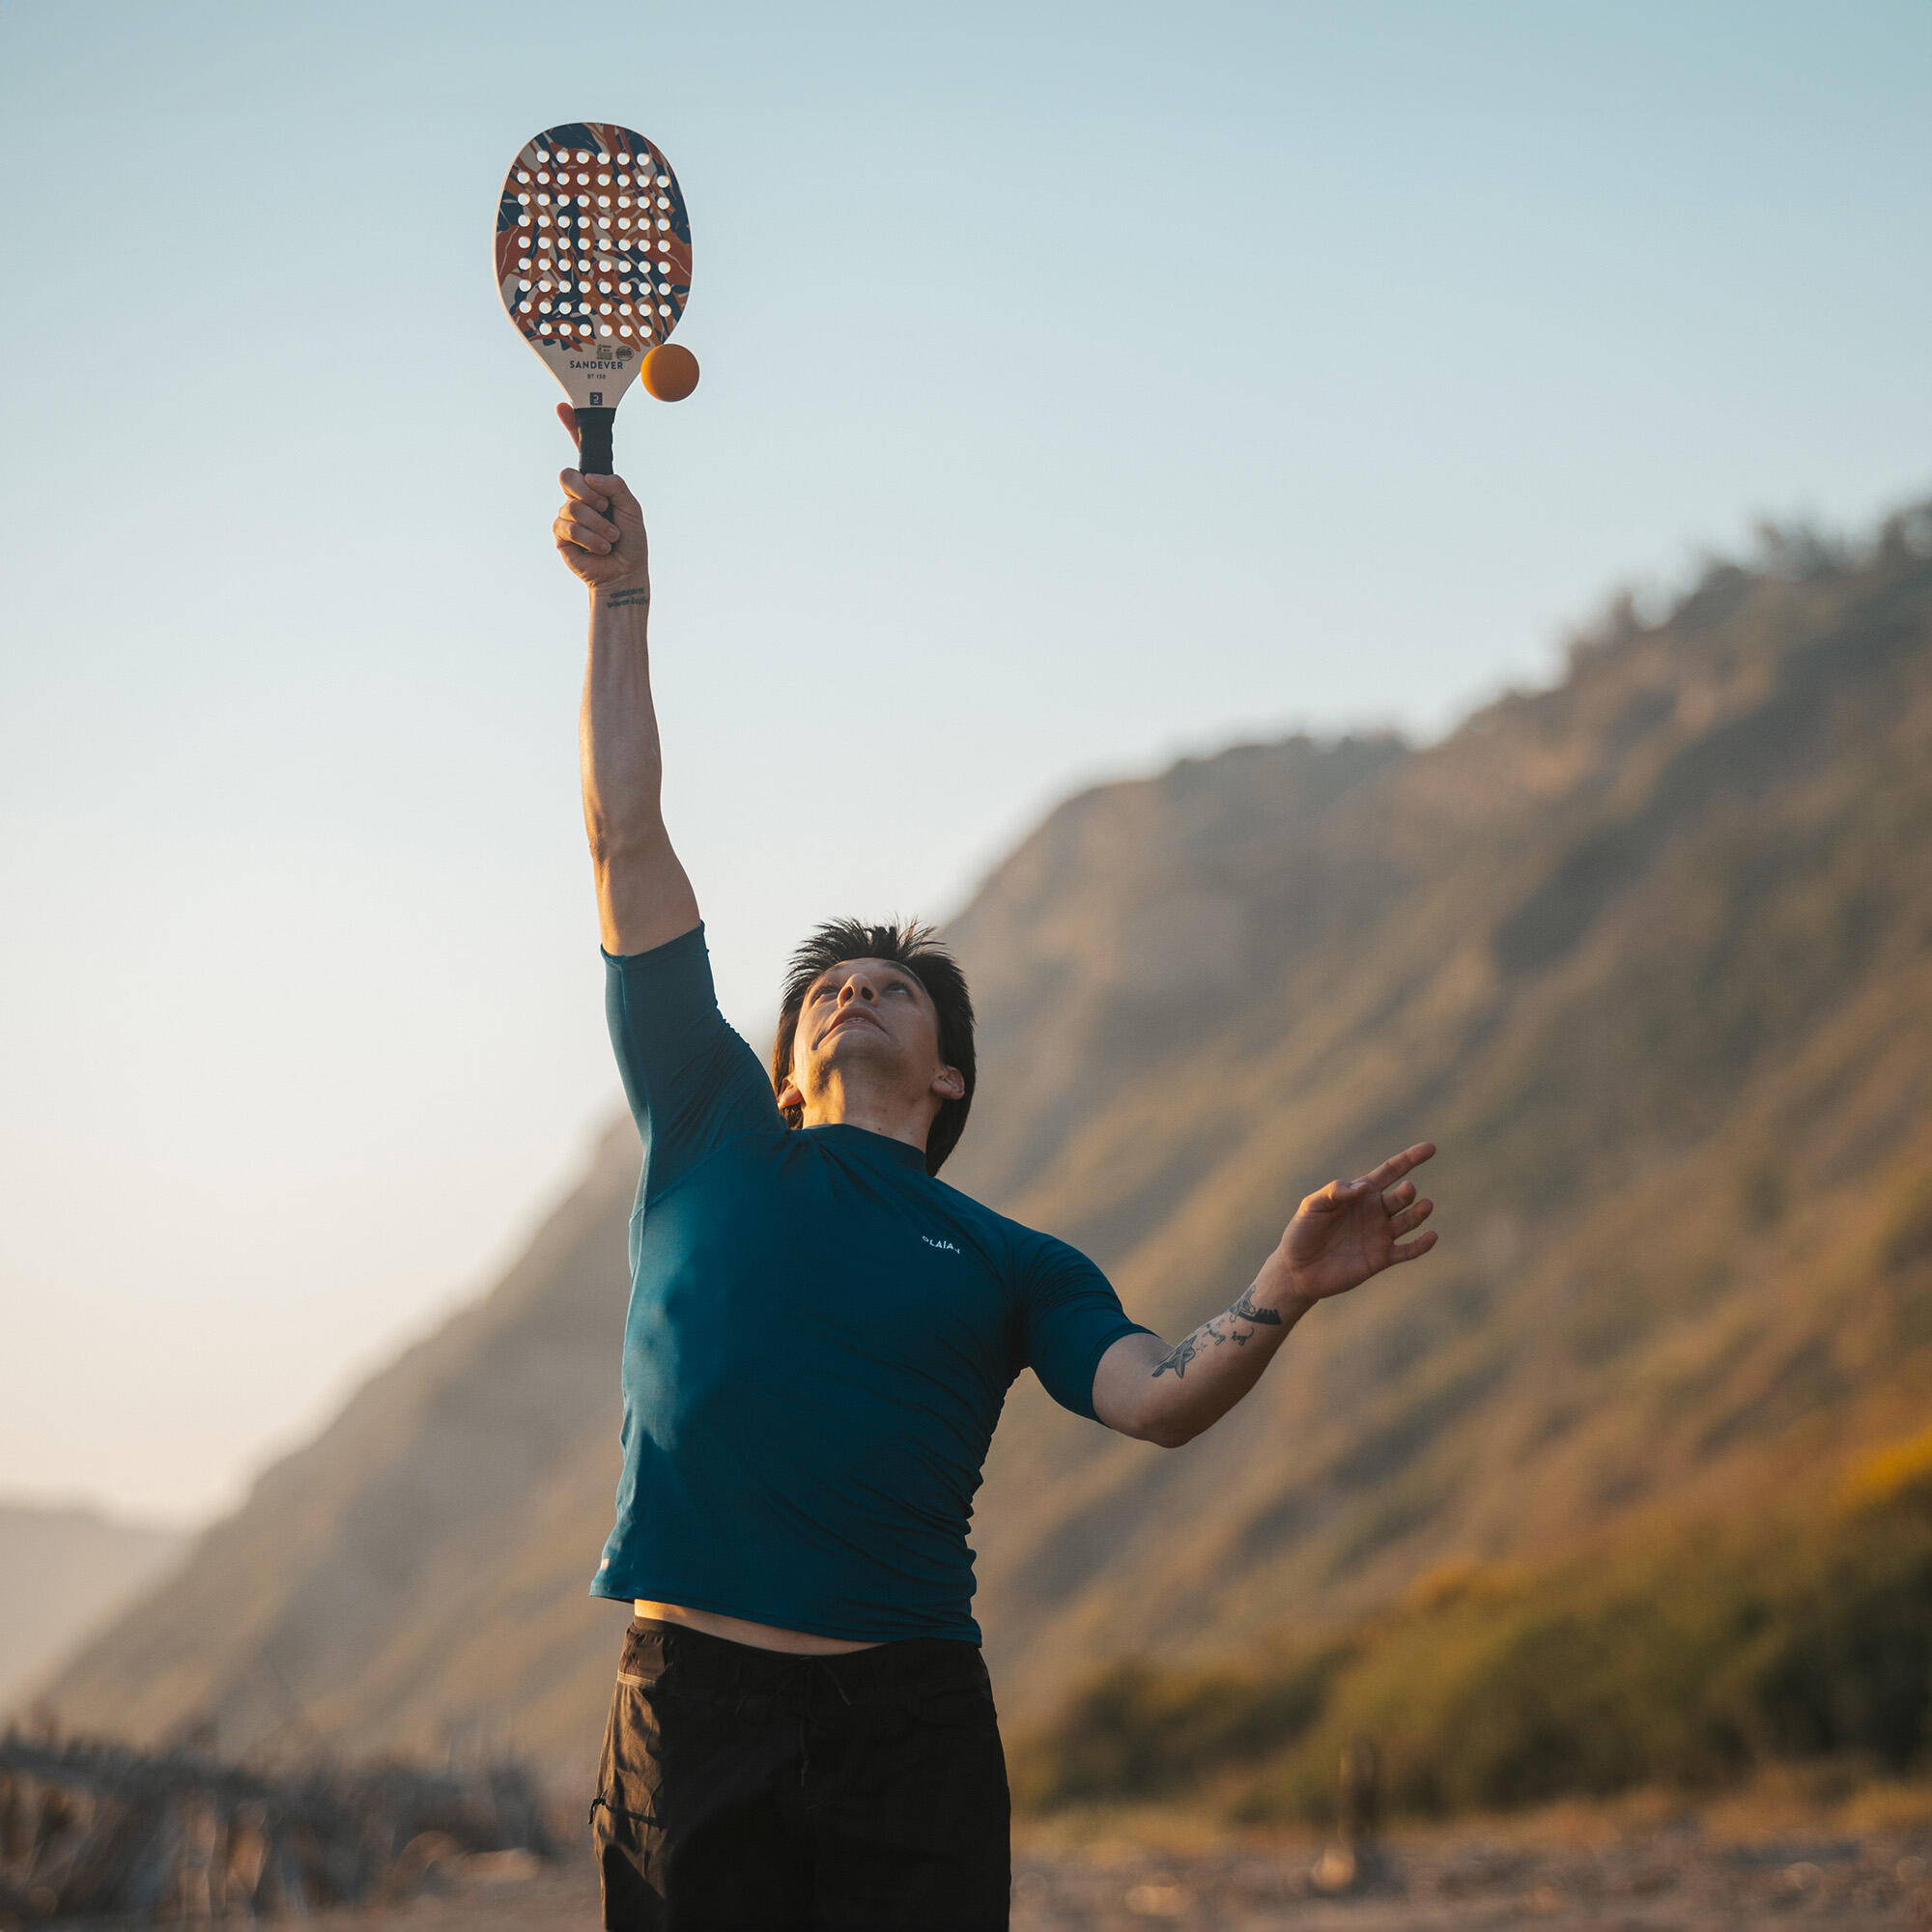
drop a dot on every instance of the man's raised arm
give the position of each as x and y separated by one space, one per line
1338 1238
643 898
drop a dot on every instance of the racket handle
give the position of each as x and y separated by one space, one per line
593 442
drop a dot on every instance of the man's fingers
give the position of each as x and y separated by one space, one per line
1399 1196
601 493
580 488
1397 1164
618 490
1412 1217
574 526
1407 1251
567 417
585 515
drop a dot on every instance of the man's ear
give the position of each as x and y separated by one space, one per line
788 1094
949 1083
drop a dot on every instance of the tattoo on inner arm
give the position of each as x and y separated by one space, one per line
1177 1359
618 599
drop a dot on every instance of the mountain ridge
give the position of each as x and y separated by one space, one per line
1645 952
65 1568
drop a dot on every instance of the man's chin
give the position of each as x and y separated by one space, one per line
855 1041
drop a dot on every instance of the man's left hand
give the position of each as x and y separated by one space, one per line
1353 1228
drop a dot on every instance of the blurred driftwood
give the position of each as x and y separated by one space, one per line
93 1828
1353 1861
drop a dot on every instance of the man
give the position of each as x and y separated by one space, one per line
819 1340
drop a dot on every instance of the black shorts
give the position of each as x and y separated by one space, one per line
745 1790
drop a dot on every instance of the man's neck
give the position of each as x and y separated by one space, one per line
896 1116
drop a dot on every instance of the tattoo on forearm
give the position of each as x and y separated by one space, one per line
618 599
1245 1309
1177 1359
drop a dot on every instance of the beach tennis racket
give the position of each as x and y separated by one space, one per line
593 263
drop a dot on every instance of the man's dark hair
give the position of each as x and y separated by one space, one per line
902 943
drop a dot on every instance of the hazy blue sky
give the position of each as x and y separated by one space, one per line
1082 384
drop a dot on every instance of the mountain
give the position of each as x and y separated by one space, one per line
63 1571
1649 953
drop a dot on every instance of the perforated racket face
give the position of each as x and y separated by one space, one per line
593 254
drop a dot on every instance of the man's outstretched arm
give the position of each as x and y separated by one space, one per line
643 898
1338 1238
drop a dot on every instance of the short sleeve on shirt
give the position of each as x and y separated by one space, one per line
692 1081
1069 1317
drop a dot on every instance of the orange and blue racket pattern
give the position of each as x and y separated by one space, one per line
593 263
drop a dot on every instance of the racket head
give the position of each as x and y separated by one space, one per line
592 313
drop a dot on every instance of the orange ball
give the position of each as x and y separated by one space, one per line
670 372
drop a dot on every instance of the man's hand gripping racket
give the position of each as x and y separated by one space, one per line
593 265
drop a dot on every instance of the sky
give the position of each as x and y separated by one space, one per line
1083 386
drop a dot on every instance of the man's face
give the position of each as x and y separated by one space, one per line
871 1022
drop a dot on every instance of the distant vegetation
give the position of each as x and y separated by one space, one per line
1690 1659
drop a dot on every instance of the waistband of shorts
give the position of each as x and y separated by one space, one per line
881 1669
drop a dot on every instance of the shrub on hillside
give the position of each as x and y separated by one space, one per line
1134 1731
1688 1661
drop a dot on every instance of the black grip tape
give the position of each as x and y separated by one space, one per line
593 442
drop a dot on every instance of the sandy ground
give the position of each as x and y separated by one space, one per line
1677 1879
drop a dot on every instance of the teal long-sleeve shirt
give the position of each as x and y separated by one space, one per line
819 1341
